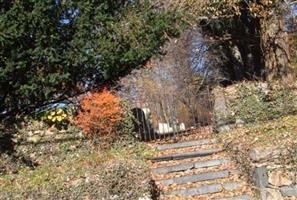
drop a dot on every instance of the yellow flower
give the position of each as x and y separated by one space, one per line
60 111
49 117
59 118
53 113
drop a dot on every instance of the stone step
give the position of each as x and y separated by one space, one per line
196 178
181 156
189 166
289 191
206 189
242 197
186 144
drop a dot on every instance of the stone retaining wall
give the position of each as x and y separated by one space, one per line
223 114
273 181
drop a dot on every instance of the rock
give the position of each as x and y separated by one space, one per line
32 155
289 191
34 139
63 131
81 134
59 136
38 132
75 183
145 197
264 87
114 197
260 153
30 133
270 194
239 122
260 177
224 128
273 166
279 178
49 132
72 147
15 140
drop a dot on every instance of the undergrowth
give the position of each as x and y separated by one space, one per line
255 102
69 167
118 172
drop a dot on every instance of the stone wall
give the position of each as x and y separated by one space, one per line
273 180
224 121
220 110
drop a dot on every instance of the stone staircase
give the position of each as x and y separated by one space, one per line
197 169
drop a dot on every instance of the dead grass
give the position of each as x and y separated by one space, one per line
87 174
281 132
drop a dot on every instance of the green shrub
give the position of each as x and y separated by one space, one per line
255 103
125 130
50 50
126 127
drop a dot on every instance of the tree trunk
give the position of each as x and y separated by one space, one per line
275 47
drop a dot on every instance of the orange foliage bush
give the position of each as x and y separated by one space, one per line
100 114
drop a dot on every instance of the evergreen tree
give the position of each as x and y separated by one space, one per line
53 49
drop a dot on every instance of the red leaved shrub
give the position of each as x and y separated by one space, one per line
100 113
